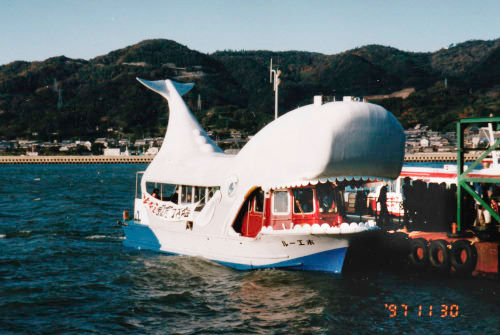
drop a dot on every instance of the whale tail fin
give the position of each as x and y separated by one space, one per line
184 137
161 87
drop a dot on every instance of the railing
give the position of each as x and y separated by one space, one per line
137 183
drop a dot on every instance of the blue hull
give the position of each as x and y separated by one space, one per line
326 261
141 237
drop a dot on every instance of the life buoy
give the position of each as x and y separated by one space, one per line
419 253
439 256
463 256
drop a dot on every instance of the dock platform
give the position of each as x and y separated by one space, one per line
442 253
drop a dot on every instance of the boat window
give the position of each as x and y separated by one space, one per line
325 198
303 200
164 192
211 191
280 202
150 187
199 194
167 191
154 189
187 194
259 201
170 193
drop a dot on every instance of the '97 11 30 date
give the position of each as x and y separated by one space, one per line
443 311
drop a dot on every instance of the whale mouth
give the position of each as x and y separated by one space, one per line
342 228
343 180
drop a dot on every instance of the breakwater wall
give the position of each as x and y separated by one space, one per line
417 157
76 159
440 156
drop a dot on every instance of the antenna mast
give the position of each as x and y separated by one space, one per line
277 81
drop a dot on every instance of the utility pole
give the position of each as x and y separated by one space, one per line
277 81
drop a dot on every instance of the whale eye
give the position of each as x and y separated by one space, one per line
232 187
231 184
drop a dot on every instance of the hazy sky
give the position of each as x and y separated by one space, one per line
39 29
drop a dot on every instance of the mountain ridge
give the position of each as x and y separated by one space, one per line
62 97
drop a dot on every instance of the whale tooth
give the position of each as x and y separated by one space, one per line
314 182
345 228
316 229
333 230
323 180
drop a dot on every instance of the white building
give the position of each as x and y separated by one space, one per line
112 152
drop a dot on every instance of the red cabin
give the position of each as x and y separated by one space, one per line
288 207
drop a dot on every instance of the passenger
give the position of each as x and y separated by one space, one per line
156 194
382 199
338 198
479 221
489 195
175 196
303 200
407 200
326 198
452 203
326 203
494 205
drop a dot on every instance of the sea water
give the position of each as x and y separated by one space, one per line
63 270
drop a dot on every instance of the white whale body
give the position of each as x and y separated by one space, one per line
328 144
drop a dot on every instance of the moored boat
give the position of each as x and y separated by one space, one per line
278 203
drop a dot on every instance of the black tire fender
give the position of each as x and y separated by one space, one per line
469 264
416 245
436 247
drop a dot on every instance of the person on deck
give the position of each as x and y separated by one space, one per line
382 199
407 201
156 194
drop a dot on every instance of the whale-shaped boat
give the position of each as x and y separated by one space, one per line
279 202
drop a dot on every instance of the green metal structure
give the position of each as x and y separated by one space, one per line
462 178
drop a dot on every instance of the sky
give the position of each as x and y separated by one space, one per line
34 30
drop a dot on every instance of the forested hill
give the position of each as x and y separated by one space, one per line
66 98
